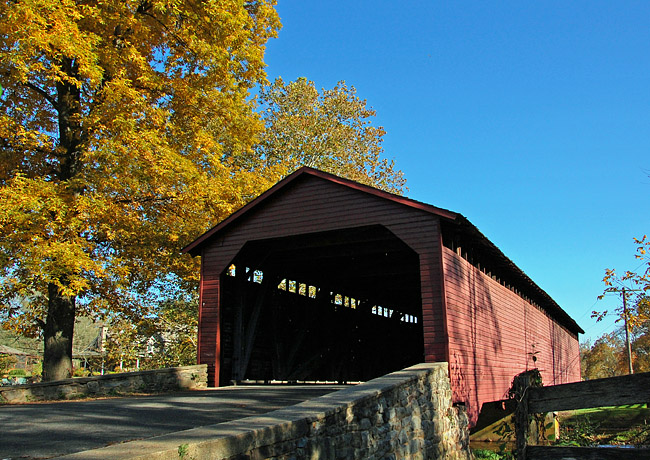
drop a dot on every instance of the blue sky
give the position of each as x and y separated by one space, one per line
529 118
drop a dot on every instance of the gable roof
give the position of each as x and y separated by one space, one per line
194 247
5 350
460 224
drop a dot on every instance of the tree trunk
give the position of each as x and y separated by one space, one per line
59 324
59 327
70 127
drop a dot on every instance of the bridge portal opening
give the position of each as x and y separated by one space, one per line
341 305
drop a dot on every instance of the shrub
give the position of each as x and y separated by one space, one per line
81 372
6 361
17 373
485 454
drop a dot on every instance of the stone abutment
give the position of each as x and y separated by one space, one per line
407 414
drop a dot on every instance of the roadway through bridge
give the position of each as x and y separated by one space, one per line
46 430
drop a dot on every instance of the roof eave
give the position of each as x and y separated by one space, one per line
568 322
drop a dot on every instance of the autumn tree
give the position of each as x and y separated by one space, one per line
167 339
176 326
120 125
607 357
602 359
633 286
330 130
641 351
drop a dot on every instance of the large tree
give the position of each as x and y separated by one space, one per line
602 359
330 130
119 125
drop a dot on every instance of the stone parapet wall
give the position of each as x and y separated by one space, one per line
404 415
152 381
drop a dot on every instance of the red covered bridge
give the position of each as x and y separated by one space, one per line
322 278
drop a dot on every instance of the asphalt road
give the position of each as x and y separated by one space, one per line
46 430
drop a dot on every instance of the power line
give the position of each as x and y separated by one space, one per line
589 310
599 334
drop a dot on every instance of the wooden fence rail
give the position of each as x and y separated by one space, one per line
614 391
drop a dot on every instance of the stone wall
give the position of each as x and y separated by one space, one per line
153 381
404 415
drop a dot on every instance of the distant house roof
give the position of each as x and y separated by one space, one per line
460 225
5 350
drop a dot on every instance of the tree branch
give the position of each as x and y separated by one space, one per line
43 93
40 323
145 12
148 199
8 144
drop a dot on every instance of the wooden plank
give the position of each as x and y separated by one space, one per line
613 391
585 453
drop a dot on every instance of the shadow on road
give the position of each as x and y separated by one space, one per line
47 430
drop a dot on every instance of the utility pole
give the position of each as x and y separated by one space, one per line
627 336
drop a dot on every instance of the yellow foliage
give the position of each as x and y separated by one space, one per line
117 117
330 130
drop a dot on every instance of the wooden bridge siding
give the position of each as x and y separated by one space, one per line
208 349
491 332
314 205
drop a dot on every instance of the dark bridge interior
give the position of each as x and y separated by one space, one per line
343 305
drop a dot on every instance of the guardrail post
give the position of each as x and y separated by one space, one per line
519 391
519 386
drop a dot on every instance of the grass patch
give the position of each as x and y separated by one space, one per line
621 425
486 454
